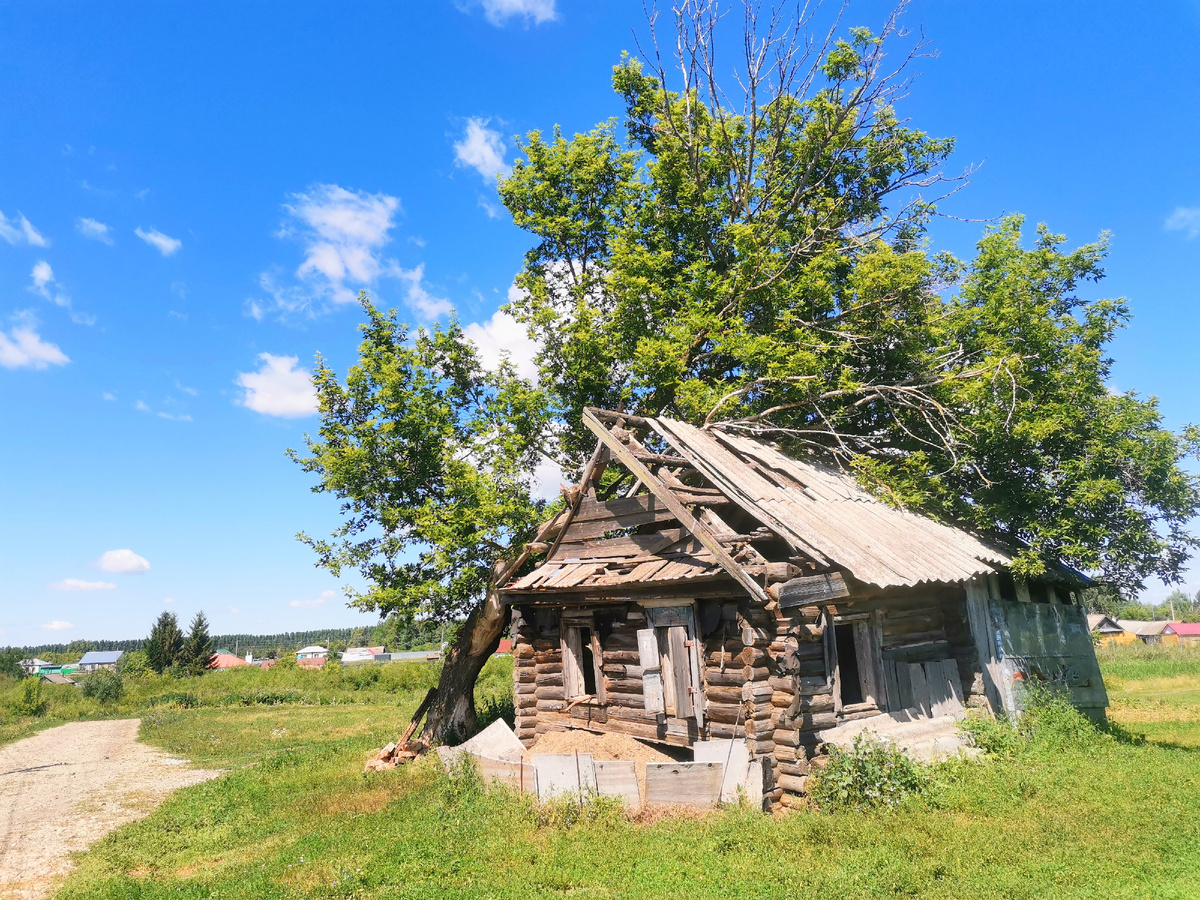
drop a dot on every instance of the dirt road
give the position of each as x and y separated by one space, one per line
65 788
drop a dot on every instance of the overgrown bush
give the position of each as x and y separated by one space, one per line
870 775
28 700
1049 721
104 686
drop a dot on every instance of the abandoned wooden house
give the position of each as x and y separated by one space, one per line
703 585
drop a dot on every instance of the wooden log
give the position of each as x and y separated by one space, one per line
792 767
549 680
525 687
757 691
623 685
523 651
792 783
549 692
752 656
545 642
550 705
554 668
756 636
522 675
620 670
720 694
782 699
621 656
790 754
548 656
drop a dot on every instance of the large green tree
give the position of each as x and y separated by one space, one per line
433 457
165 643
755 260
196 654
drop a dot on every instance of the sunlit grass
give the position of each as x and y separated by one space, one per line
295 816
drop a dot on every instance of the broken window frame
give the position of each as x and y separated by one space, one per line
868 646
574 659
670 647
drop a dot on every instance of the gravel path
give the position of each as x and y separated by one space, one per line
65 788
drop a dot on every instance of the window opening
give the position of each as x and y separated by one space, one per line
847 657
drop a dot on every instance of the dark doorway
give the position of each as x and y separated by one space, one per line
588 663
847 658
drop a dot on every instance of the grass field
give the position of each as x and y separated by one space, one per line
1064 815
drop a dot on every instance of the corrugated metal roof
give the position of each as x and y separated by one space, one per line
100 657
1143 628
1186 628
823 513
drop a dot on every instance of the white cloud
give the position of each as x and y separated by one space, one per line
174 417
325 597
418 295
343 233
58 625
1185 219
46 286
20 231
159 241
23 347
124 562
498 12
481 149
77 584
141 406
168 599
108 395
504 334
278 388
548 480
96 231
235 610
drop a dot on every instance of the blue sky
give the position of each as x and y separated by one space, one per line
189 193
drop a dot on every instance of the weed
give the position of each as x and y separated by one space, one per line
871 774
28 701
104 686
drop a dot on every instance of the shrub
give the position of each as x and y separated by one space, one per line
28 701
135 664
1049 721
104 686
871 774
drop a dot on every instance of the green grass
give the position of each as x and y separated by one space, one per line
1074 814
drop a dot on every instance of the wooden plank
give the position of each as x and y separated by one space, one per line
734 755
686 519
690 784
572 653
954 681
681 674
979 620
618 778
596 528
517 775
892 685
940 699
573 774
810 589
652 682
920 687
598 667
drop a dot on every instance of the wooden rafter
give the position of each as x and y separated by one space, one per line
701 532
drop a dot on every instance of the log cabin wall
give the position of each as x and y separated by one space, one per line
765 671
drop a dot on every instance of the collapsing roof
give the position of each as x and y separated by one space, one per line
819 512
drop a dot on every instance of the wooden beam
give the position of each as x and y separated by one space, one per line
663 493
599 457
810 589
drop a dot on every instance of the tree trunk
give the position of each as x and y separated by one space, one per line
451 717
